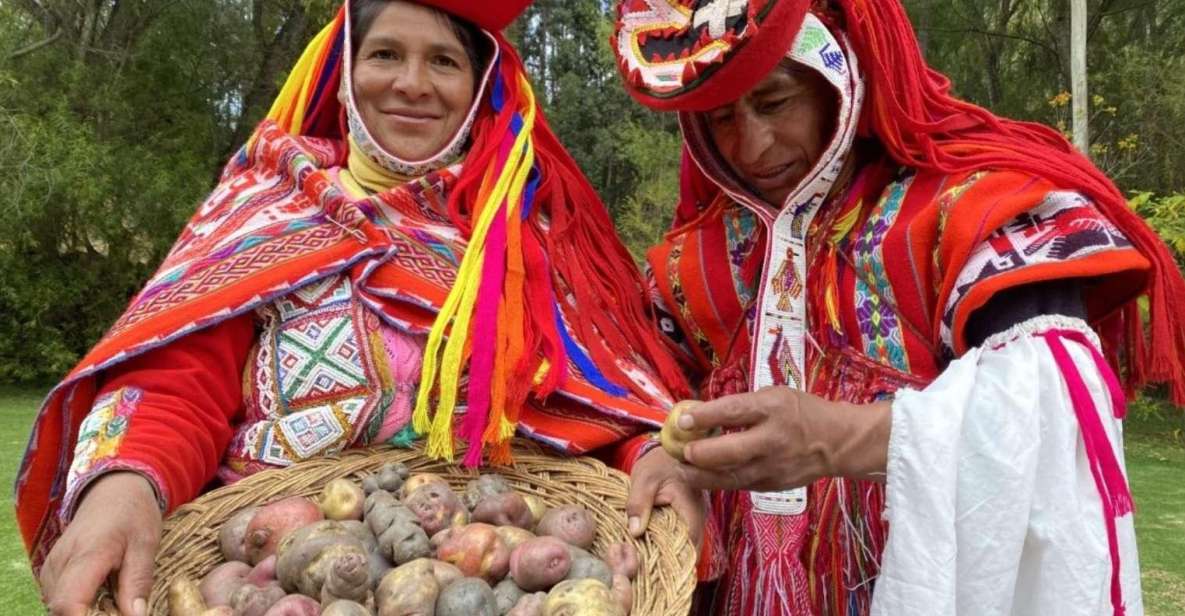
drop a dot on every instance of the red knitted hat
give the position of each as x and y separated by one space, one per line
492 15
695 55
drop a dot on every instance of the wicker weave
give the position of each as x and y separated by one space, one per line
666 575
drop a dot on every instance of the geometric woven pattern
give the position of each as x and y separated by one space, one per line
318 358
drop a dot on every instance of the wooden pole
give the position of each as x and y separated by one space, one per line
1078 83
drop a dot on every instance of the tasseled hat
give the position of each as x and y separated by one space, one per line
693 55
504 320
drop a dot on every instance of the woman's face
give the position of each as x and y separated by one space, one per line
773 136
413 82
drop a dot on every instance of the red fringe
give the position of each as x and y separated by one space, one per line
909 108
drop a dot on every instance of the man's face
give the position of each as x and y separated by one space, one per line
773 136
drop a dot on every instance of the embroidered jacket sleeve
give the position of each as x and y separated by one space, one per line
166 414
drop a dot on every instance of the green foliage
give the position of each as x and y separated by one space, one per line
1166 214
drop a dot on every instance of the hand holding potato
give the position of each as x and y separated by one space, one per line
116 527
780 438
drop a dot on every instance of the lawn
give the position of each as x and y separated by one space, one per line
1155 460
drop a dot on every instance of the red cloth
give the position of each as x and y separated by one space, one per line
192 395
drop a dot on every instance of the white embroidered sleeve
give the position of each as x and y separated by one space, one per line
993 495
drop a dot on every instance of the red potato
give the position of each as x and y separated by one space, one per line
417 481
342 499
232 533
220 584
437 507
540 563
264 572
295 605
572 523
529 605
251 600
505 509
477 551
273 522
513 536
622 558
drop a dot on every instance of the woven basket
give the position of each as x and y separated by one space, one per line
666 575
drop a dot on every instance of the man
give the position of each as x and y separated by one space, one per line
904 311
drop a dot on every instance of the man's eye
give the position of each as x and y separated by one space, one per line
384 54
773 105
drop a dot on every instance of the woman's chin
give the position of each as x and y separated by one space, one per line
412 152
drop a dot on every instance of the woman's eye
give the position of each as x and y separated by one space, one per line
446 61
720 117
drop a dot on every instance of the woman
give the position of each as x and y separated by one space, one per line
925 301
404 188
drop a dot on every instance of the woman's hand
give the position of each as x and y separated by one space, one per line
779 438
655 480
116 529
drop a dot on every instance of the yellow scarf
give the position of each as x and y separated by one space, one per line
364 177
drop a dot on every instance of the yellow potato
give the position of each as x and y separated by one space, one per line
586 597
674 438
342 499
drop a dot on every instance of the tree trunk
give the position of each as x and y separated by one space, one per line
1078 75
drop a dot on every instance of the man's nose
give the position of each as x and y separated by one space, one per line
754 137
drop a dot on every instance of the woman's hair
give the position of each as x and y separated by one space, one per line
364 12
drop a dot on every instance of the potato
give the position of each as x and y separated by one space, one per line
341 607
581 598
324 553
417 481
674 438
467 597
505 509
437 507
408 590
185 599
623 592
513 536
445 573
379 565
273 522
529 605
251 600
342 499
477 551
264 572
587 566
232 533
484 487
538 508
622 558
571 523
295 605
506 596
390 478
220 584
540 563
222 610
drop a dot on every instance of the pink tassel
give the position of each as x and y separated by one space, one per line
484 337
1108 476
405 354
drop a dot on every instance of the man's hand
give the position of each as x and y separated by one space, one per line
779 438
116 528
654 481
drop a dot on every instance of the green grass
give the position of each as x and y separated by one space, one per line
1155 461
18 593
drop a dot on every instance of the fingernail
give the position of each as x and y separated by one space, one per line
140 607
635 525
686 421
687 457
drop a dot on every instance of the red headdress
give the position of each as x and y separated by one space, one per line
908 108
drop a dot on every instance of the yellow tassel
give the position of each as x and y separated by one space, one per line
458 307
289 107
